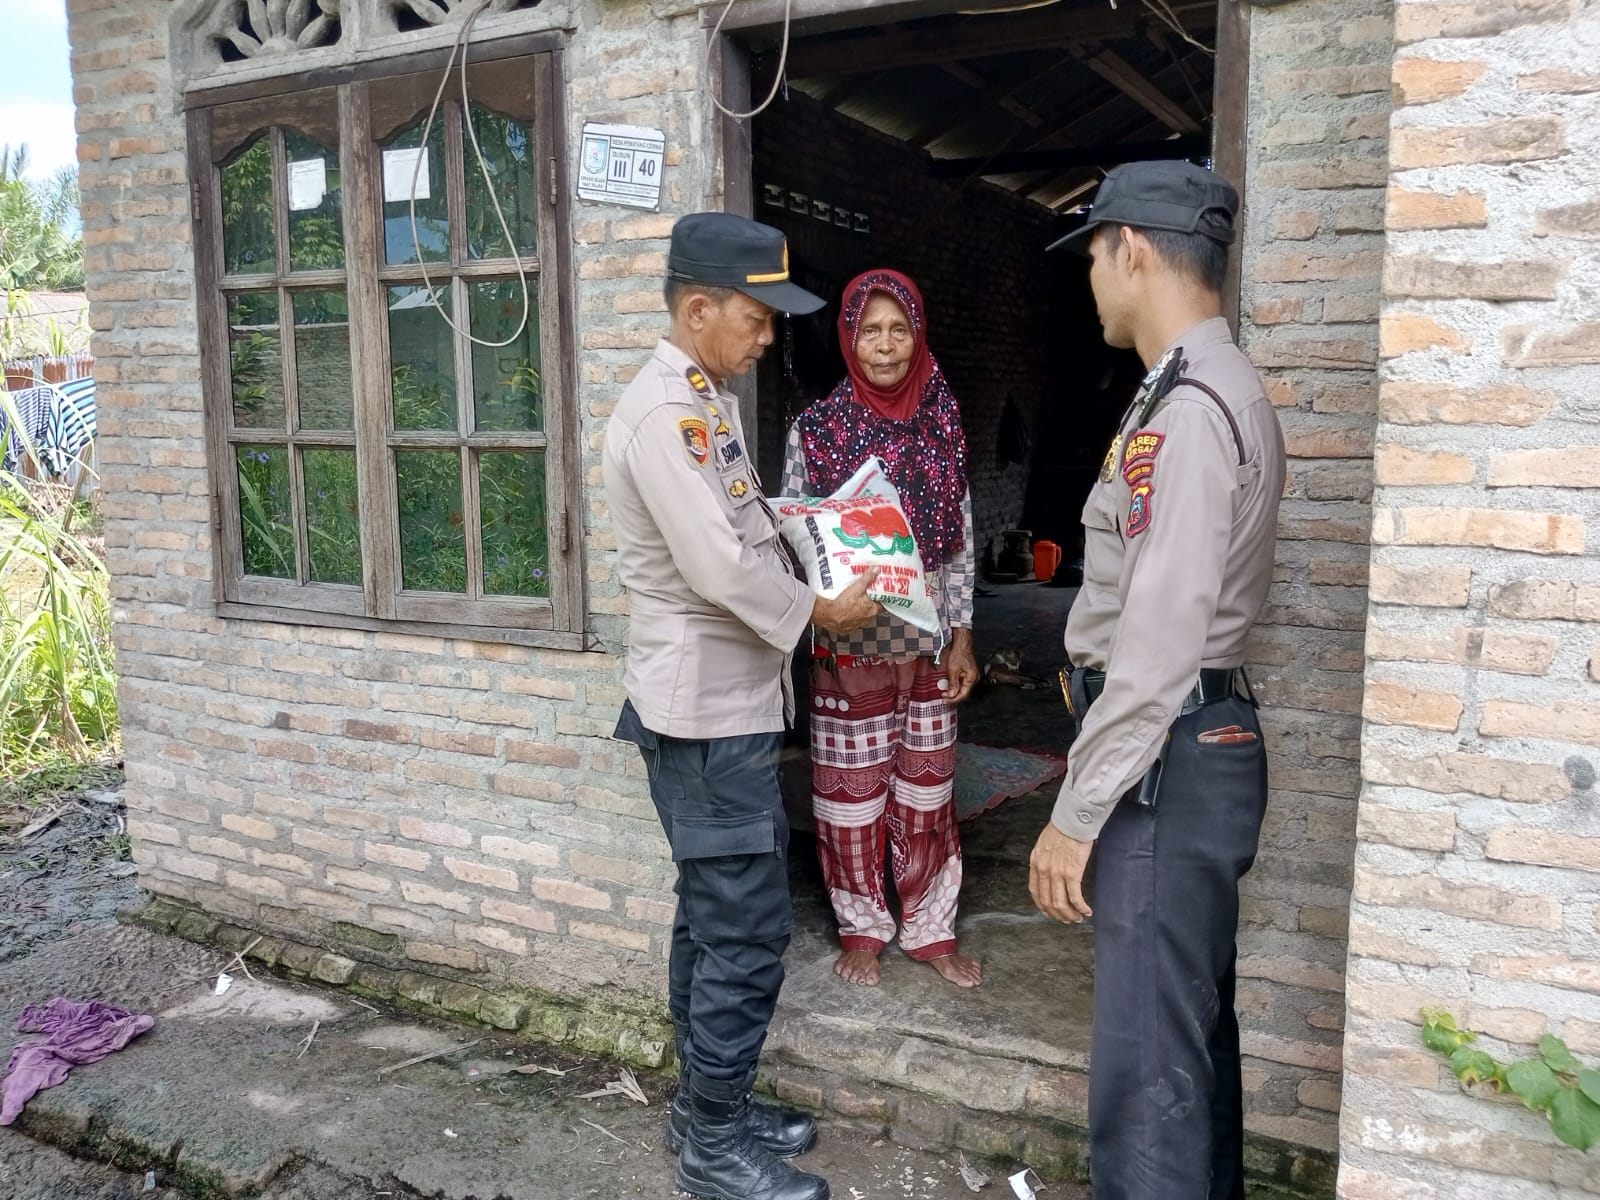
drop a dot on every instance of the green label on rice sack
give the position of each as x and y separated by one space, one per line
860 527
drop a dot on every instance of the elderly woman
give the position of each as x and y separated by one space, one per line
883 722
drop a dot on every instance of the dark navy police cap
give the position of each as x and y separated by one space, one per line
726 251
1165 194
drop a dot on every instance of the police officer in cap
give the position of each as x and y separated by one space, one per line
715 614
1167 781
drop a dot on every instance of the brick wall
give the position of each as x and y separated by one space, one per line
1319 105
1475 875
973 250
462 802
465 800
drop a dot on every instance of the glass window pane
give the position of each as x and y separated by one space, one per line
516 539
422 359
508 148
322 359
316 228
398 168
507 390
255 360
265 505
247 240
333 515
433 539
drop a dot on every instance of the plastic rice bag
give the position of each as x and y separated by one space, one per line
861 526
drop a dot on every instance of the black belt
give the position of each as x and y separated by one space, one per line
1215 683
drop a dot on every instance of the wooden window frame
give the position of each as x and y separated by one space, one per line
380 602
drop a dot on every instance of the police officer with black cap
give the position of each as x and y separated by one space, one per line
715 614
1167 781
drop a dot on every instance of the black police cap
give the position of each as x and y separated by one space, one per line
1165 194
727 251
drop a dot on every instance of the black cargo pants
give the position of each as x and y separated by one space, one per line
721 804
1165 1094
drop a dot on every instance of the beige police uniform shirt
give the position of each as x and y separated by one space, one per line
715 610
1179 540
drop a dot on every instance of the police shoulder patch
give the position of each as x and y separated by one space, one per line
1142 447
1141 508
698 381
696 439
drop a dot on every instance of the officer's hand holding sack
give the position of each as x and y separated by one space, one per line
861 532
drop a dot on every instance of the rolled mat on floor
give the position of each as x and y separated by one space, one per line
986 777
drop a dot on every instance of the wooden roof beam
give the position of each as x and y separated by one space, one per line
1122 75
955 116
979 37
1062 157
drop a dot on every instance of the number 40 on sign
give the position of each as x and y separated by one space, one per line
621 164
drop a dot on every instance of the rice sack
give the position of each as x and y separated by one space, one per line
861 526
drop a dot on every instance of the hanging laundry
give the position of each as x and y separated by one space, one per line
36 408
72 427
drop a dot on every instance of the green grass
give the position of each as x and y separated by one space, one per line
57 681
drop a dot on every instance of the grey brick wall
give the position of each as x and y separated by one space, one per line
1475 882
1319 103
466 797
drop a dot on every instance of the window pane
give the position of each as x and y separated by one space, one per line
265 505
399 166
322 359
516 540
422 359
333 515
256 360
433 538
506 384
247 241
316 229
507 147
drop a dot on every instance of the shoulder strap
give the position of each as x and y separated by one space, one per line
1238 440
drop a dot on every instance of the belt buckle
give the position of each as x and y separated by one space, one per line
1065 676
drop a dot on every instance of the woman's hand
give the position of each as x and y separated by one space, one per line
961 666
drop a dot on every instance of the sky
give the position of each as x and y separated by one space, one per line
36 85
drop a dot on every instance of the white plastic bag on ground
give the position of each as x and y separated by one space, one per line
860 526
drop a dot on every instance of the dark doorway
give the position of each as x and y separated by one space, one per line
955 148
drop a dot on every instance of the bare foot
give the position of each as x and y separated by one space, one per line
958 969
857 966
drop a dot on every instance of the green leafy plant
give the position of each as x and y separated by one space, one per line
39 245
1555 1083
57 678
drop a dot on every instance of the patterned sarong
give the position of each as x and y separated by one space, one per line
883 753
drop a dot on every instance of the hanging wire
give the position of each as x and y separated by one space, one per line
1163 10
777 82
489 184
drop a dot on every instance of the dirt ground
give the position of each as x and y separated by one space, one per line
226 1096
71 875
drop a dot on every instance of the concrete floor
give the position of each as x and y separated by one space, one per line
274 1090
1035 1002
1038 974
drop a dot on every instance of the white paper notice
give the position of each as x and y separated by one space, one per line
308 184
622 164
399 168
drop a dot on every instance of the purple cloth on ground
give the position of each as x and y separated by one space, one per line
75 1034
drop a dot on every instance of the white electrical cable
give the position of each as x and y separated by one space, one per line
777 79
1170 19
488 179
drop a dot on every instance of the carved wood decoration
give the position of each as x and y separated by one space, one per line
438 12
258 29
